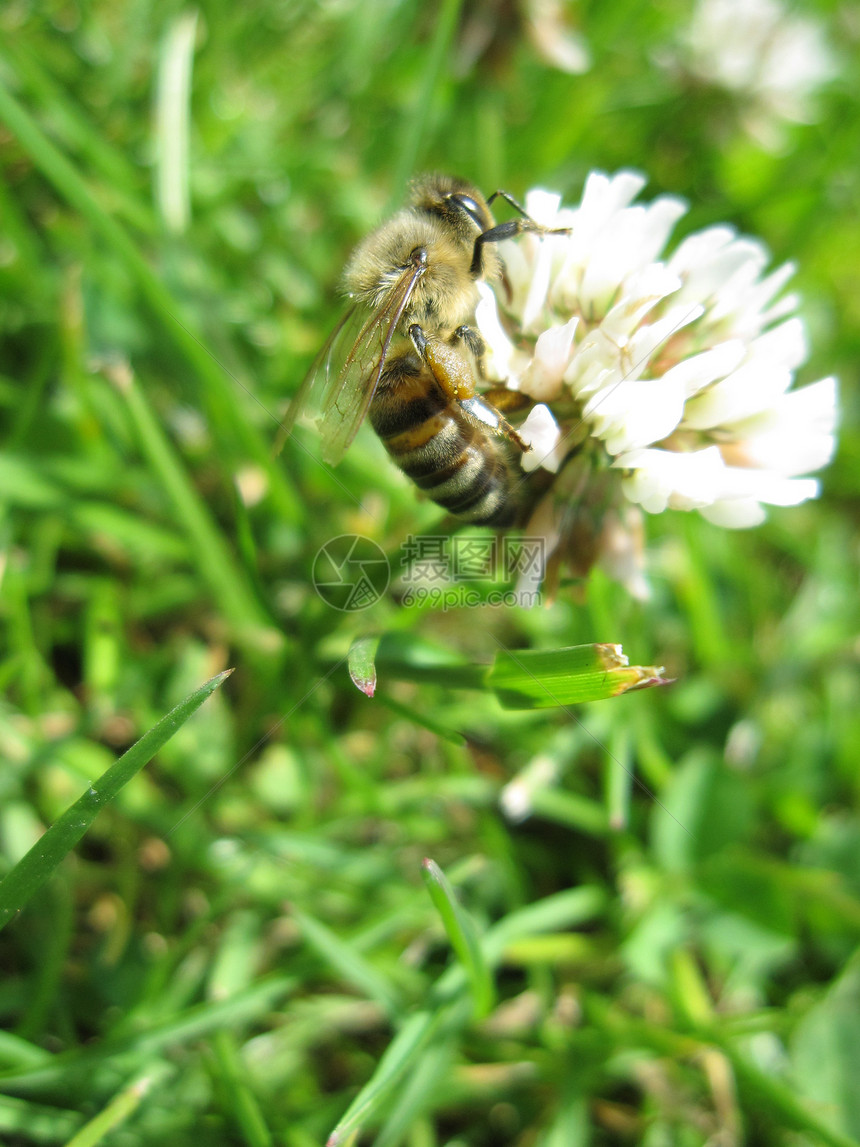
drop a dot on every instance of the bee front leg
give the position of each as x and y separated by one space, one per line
508 230
455 379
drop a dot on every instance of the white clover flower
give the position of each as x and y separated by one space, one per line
773 60
542 433
671 376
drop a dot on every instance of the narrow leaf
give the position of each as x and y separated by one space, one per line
33 869
406 657
215 388
345 959
560 910
172 117
520 678
452 736
462 934
121 1108
766 1092
217 566
416 1094
240 1099
402 1052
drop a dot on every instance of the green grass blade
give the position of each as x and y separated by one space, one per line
620 765
520 678
121 1108
571 1125
768 1093
462 934
348 962
570 809
217 567
452 736
25 1122
561 910
413 136
402 1052
33 869
188 1026
173 114
18 1052
431 1068
408 657
216 389
242 1102
544 679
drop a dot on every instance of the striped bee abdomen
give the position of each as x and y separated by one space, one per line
454 460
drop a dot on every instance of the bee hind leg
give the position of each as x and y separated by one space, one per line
456 381
482 411
449 368
498 397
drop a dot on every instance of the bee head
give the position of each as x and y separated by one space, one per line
456 202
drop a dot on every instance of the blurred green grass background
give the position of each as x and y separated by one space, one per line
242 944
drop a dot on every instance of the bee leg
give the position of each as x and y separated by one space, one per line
455 379
447 365
498 395
508 230
508 400
472 339
475 344
509 199
478 408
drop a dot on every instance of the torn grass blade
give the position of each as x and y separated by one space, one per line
544 679
520 678
34 868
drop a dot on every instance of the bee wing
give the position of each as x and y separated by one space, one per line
310 398
347 395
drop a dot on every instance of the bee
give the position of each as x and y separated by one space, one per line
414 352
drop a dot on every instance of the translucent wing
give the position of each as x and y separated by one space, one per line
309 398
347 394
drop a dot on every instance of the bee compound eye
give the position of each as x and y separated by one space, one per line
467 204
